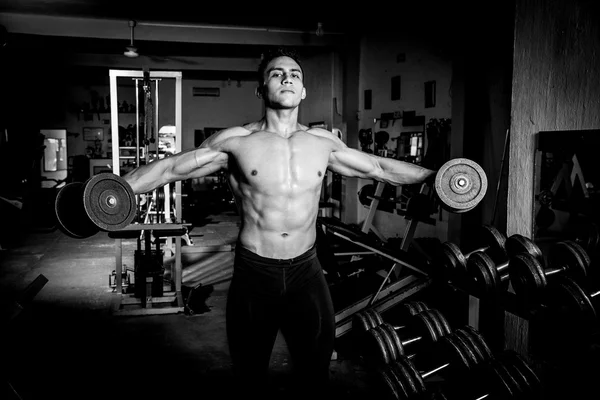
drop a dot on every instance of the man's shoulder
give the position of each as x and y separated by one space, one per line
321 133
225 134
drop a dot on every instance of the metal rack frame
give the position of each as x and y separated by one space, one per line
137 75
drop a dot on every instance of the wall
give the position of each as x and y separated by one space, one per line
378 64
556 86
236 104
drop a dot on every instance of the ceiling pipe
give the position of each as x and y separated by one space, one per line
318 32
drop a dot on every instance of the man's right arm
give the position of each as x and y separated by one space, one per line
196 163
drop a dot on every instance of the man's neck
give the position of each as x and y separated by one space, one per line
281 122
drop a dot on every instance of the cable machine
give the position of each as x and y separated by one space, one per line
159 212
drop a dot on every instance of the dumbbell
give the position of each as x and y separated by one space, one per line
458 353
451 262
369 318
487 276
103 202
460 184
577 303
384 344
529 277
506 376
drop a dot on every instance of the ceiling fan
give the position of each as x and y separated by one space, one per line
131 50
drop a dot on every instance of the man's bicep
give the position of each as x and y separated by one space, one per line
198 162
353 163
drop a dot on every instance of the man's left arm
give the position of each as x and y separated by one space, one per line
350 162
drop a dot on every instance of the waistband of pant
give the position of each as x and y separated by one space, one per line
250 255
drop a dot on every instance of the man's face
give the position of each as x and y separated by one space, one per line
283 84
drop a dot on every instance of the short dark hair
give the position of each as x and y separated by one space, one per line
272 53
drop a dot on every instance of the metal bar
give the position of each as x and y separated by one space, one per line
178 140
119 264
390 299
404 263
154 227
382 284
354 253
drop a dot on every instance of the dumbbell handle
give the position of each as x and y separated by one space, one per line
424 375
552 271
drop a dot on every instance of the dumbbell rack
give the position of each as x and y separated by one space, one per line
172 300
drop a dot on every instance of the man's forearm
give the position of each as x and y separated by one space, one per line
397 172
146 177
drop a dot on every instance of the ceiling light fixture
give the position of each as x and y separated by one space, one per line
131 50
320 30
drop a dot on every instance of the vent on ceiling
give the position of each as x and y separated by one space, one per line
206 91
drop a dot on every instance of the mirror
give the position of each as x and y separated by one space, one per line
567 187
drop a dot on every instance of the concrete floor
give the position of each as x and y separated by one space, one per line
69 344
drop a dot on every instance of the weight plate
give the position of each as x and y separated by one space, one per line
565 255
565 294
433 316
479 341
508 359
527 276
516 244
454 353
585 258
422 325
587 234
411 379
484 275
390 345
502 384
445 328
109 201
70 213
470 343
460 184
469 353
360 323
391 384
411 308
491 238
397 342
377 319
451 261
370 321
400 379
365 193
533 385
377 350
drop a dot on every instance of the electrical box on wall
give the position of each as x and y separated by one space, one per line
206 92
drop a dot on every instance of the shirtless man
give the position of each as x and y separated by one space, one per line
276 167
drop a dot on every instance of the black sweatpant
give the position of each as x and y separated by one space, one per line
267 295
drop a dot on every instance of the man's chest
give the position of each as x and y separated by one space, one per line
296 162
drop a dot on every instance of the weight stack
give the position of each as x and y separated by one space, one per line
148 266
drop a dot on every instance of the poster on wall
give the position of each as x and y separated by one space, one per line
92 133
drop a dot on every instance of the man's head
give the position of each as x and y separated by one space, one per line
280 75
